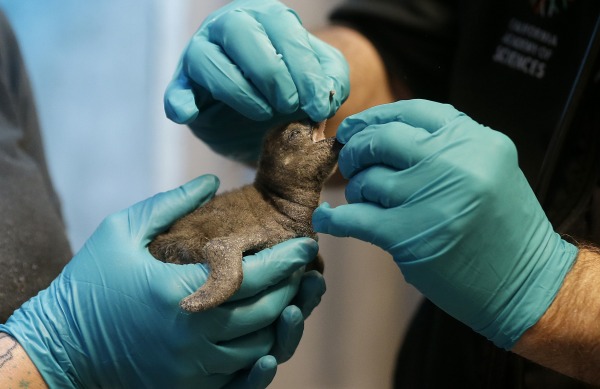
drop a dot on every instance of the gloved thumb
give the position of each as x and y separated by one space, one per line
329 221
157 213
351 220
179 102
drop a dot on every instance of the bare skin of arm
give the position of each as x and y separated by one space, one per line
567 337
16 369
369 82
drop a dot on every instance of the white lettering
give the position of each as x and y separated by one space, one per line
523 63
523 44
526 48
533 32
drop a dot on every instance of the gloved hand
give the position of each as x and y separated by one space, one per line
250 66
111 319
445 197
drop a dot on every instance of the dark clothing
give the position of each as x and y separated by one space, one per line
517 67
33 244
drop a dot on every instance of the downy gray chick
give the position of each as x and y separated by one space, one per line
295 161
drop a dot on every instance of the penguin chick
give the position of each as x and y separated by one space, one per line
295 161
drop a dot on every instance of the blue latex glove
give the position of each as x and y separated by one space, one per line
445 197
250 66
111 319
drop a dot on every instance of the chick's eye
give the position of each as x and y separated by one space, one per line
294 134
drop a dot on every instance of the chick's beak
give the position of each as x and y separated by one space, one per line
318 133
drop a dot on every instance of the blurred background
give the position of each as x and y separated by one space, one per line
98 71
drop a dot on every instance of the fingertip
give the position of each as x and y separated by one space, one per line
318 105
262 373
420 113
312 289
312 247
290 328
348 127
210 178
268 362
323 208
320 217
272 265
353 191
317 114
336 103
339 93
203 187
345 167
307 246
318 281
293 315
180 105
286 102
340 221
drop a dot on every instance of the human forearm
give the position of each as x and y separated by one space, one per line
16 369
567 337
369 82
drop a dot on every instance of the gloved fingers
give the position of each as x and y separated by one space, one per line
391 188
179 101
229 133
169 283
336 68
152 216
392 144
312 288
353 124
376 184
399 231
259 377
273 265
364 221
291 40
208 66
290 324
428 115
252 51
228 357
252 314
289 330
